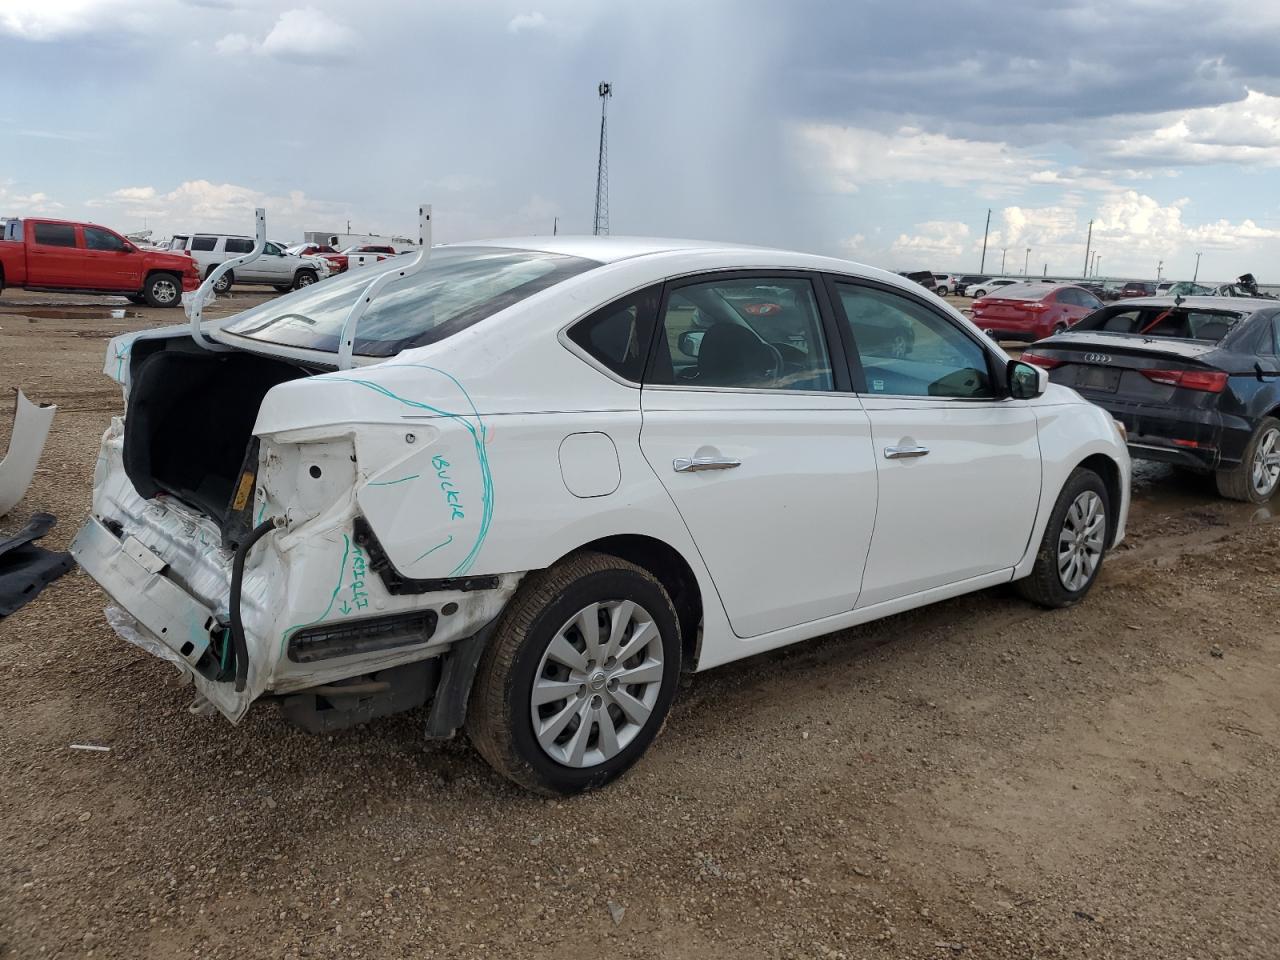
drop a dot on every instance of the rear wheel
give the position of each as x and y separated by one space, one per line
1074 543
1257 476
579 676
162 290
224 281
283 287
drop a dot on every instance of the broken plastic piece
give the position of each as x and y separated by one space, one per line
27 568
31 423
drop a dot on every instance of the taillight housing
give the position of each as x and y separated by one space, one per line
1040 360
1209 381
1037 307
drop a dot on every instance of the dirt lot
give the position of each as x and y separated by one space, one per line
976 779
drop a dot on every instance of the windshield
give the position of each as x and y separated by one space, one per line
1170 322
456 287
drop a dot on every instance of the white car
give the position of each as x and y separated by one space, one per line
563 470
991 285
276 266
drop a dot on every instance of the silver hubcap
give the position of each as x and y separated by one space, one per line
164 291
1080 542
1266 463
305 280
597 684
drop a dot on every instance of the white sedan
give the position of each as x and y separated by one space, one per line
561 471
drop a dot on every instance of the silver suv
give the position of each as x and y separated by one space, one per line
282 270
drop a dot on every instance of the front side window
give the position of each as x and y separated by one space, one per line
271 250
457 287
907 350
55 234
618 336
97 239
752 333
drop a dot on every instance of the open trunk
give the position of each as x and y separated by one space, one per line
190 422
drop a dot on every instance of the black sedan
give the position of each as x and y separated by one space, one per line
1194 381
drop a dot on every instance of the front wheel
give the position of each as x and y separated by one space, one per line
1074 543
162 290
979 293
578 677
304 278
1257 476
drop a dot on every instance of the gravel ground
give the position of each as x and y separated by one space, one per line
976 779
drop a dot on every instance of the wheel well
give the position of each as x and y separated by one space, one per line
1109 471
672 571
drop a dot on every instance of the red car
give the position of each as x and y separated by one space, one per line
1032 311
86 258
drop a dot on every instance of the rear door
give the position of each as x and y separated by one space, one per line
252 272
959 466
108 260
764 450
53 259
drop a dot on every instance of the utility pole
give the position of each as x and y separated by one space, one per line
555 226
1003 251
1097 266
986 230
1096 257
1159 270
1197 273
1046 270
601 224
1088 244
1026 261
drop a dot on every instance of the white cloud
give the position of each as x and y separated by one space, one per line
527 21
13 203
937 240
201 205
304 35
849 158
42 21
1244 132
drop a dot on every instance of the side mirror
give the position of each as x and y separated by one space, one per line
128 248
1026 381
690 343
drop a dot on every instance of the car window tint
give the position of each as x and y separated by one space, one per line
753 333
238 245
1275 336
618 335
98 239
270 249
56 234
203 243
908 350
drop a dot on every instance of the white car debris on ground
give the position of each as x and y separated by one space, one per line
31 425
565 469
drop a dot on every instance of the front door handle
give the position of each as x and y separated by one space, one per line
694 464
905 453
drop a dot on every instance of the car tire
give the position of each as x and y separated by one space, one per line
1074 544
304 278
979 293
540 651
137 298
224 282
283 287
1257 477
162 290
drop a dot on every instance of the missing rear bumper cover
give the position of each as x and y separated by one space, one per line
326 641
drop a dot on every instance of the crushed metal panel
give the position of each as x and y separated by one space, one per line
31 423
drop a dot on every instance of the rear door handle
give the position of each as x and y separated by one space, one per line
695 464
905 453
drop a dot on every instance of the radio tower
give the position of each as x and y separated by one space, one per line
602 164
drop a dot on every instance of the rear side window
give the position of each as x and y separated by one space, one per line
97 239
55 234
238 245
618 336
204 244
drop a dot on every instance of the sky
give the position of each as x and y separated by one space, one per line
877 132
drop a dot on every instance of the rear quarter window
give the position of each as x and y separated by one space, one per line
618 336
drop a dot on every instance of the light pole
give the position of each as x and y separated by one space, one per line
1026 262
1003 251
1159 270
1195 275
1097 272
986 230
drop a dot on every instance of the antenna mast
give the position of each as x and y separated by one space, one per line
605 89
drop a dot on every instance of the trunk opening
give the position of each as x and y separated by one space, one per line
190 421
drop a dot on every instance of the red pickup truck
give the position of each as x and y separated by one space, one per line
85 258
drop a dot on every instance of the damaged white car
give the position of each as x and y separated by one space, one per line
562 470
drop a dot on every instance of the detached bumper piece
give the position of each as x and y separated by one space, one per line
26 568
329 640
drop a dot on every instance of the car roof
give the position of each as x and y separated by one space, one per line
606 249
1232 304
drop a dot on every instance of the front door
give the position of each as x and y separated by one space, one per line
764 451
959 467
108 262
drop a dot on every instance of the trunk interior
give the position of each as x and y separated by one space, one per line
190 420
